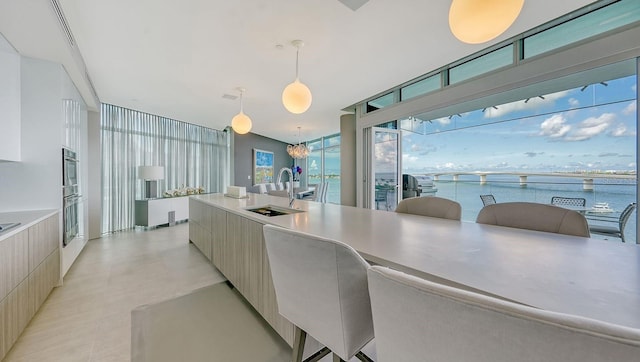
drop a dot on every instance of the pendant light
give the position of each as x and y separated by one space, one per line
478 21
241 123
298 151
296 97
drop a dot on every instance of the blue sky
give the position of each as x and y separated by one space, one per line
574 130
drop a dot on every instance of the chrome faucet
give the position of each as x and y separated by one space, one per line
279 179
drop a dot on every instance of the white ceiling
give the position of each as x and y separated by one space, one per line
178 58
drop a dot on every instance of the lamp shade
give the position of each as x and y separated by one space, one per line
478 21
296 97
151 172
241 123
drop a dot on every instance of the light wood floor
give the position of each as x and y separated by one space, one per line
88 318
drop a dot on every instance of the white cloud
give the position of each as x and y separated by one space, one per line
443 121
574 103
591 127
409 158
629 109
385 155
633 87
620 130
532 103
554 126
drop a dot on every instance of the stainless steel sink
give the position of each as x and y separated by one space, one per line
272 210
7 226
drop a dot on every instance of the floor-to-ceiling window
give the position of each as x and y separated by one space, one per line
578 142
193 157
323 165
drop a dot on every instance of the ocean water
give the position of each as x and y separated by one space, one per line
506 188
467 190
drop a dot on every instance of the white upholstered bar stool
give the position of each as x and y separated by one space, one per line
432 206
418 320
321 287
534 216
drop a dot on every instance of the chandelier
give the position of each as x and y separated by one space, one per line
298 151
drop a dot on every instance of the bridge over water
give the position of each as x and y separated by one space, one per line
587 177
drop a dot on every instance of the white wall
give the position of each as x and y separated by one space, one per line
9 102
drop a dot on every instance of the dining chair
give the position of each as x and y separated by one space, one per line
418 320
321 287
568 201
319 193
535 216
618 230
432 206
487 200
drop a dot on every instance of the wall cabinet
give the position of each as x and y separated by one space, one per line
238 251
154 212
29 270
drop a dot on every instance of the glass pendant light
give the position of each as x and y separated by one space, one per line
296 97
298 151
478 21
241 123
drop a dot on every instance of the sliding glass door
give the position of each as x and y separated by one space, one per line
385 168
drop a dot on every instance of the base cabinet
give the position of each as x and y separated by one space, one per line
154 212
29 270
238 251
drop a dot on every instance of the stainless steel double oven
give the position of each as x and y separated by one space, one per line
71 197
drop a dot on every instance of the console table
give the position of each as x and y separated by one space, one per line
161 211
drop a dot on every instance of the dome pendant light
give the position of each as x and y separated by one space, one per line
241 123
478 21
296 97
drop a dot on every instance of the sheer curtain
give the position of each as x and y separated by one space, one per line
192 156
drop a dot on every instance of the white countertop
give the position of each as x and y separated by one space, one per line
588 277
25 218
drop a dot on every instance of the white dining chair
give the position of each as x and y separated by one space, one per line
535 216
419 320
321 287
431 206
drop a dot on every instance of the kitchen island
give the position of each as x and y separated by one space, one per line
587 277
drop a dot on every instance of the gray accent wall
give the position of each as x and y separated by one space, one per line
243 146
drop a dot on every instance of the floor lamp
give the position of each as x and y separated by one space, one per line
150 175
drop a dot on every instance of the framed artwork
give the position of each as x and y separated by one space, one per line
262 166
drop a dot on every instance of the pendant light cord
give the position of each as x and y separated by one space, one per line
297 53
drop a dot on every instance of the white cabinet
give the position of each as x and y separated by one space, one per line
154 212
9 102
